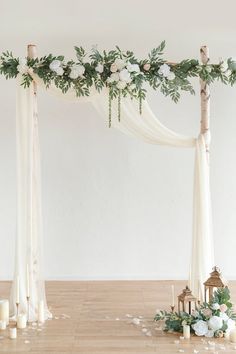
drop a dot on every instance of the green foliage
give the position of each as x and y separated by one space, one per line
135 88
174 321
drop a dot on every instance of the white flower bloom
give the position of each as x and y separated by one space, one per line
59 71
216 306
164 70
113 68
133 68
99 68
114 77
171 76
120 64
22 69
121 85
210 333
224 316
54 65
200 328
215 323
230 325
80 69
125 75
74 74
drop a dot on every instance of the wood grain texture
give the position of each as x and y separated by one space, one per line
98 323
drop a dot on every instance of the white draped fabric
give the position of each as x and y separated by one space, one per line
145 127
29 214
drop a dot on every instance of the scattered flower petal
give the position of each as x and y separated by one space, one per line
136 321
128 315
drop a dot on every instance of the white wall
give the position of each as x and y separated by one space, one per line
114 207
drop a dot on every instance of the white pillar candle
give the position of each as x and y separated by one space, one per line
3 325
27 281
232 336
4 311
13 333
186 331
21 321
172 295
41 311
17 289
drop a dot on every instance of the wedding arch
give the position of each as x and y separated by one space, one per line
113 82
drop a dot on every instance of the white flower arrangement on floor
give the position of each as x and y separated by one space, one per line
211 319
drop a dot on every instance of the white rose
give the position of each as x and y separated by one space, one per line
80 69
230 325
59 71
74 74
216 306
164 70
120 64
54 65
114 77
121 85
200 328
22 69
125 75
215 323
113 68
99 68
133 68
171 76
224 316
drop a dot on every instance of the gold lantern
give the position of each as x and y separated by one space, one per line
186 301
211 284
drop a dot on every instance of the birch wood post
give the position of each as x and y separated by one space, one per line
205 101
32 54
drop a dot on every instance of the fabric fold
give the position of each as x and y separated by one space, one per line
146 127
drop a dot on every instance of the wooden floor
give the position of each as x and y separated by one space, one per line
94 318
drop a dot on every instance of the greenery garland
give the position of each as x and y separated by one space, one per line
212 319
120 71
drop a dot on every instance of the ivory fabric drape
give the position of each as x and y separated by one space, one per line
145 127
29 214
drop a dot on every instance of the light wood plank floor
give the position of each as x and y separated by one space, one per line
98 322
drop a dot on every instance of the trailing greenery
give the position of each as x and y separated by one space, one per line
120 71
214 318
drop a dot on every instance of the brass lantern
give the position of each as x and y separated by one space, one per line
211 284
186 301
